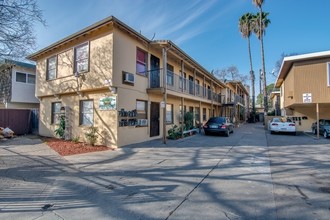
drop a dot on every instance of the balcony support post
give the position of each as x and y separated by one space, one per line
164 51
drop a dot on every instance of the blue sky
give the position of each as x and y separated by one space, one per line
205 29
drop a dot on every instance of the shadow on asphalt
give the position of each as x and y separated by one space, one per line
147 176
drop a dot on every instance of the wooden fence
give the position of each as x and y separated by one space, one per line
21 121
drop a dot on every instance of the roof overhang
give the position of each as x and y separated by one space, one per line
288 62
105 22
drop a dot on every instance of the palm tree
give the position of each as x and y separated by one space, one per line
261 25
246 25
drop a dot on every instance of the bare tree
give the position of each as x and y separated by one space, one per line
230 73
17 19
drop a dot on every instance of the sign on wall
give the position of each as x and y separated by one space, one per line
108 103
307 97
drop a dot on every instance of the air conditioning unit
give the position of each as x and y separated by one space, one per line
142 122
129 78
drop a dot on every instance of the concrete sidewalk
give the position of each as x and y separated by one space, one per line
199 177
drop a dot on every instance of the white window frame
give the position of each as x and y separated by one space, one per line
55 115
83 113
51 67
81 58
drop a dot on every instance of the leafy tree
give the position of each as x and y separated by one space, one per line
246 26
260 26
17 18
269 89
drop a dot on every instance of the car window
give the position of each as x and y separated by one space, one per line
327 122
276 120
216 120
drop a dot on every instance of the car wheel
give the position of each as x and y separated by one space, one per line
271 132
227 133
325 134
206 133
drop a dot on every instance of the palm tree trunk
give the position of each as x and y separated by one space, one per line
263 63
252 81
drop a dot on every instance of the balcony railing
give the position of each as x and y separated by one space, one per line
179 84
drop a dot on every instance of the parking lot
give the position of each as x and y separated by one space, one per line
249 175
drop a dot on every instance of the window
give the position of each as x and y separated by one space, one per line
51 68
25 78
141 109
170 75
169 114
81 58
56 111
328 74
204 114
31 79
197 113
86 112
20 77
141 62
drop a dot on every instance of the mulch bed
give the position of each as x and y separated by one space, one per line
66 148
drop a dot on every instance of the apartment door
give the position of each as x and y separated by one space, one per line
154 119
154 72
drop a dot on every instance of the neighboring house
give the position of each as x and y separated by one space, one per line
304 82
131 88
17 85
236 103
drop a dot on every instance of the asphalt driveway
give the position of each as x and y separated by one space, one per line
249 175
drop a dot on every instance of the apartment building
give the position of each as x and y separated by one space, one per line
236 103
17 85
304 82
131 88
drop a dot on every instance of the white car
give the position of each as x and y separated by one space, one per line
281 125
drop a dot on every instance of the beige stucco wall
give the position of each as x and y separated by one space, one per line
100 69
105 120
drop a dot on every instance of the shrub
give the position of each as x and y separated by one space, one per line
188 120
91 135
75 139
60 131
174 132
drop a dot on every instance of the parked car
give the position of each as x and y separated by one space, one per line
218 125
324 127
281 125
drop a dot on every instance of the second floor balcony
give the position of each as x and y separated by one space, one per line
180 85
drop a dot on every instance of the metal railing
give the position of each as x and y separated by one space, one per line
179 84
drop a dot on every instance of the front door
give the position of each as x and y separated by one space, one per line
154 119
154 72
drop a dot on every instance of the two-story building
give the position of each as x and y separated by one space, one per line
17 85
236 101
131 88
304 82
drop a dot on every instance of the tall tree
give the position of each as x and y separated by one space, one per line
246 26
261 24
17 19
